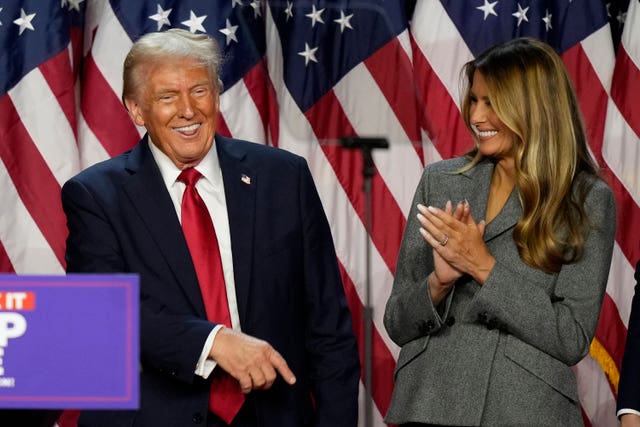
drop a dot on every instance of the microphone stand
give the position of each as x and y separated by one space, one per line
366 146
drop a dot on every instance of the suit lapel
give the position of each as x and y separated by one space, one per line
147 193
240 183
478 196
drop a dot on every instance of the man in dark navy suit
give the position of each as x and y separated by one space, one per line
289 346
629 386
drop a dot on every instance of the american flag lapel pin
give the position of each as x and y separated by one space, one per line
246 179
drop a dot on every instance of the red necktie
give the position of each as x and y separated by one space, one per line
226 397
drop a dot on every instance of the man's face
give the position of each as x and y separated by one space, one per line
178 105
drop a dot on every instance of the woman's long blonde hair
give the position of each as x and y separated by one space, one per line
532 94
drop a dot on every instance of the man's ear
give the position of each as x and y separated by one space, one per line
135 111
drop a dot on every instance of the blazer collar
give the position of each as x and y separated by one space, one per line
478 194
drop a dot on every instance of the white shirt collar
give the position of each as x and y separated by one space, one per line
209 166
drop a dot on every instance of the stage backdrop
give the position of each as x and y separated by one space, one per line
297 75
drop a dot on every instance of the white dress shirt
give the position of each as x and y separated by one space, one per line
211 189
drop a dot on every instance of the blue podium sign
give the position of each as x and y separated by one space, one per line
69 341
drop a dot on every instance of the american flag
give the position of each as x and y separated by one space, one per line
299 75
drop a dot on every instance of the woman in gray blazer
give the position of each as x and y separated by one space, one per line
505 256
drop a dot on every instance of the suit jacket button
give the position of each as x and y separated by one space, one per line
450 321
429 326
483 317
197 418
491 324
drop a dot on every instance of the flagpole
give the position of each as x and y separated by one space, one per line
366 146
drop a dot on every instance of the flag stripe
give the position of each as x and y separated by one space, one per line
244 115
441 117
32 178
382 360
329 123
59 76
373 116
107 119
399 97
46 125
257 86
27 249
593 101
91 150
5 262
626 79
621 271
595 394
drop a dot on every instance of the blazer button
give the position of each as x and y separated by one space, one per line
483 317
197 418
451 321
491 324
429 327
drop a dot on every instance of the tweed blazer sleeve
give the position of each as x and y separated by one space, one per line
409 312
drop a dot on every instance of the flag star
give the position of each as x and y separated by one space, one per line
488 9
315 15
0 21
24 21
236 2
521 14
309 54
622 17
257 8
609 10
230 32
195 22
74 4
161 17
344 21
288 11
547 20
63 3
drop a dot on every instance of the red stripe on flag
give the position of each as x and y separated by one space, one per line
585 418
382 361
628 216
387 221
591 94
77 38
441 117
395 86
104 113
36 185
59 76
611 332
5 262
593 102
264 97
625 89
221 126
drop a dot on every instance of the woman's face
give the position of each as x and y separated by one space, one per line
492 137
